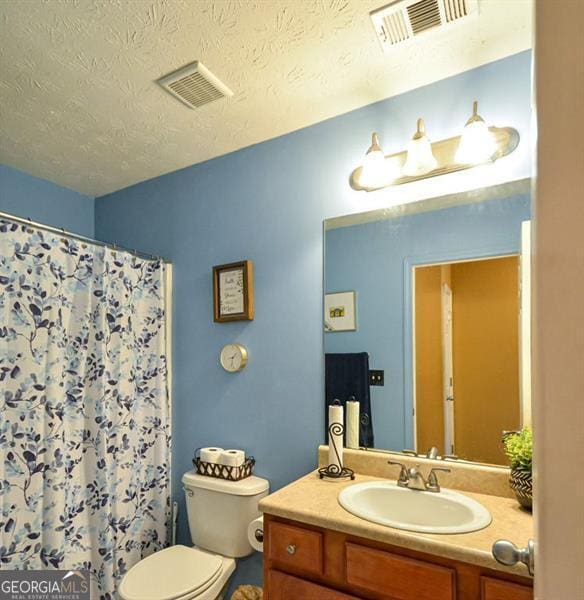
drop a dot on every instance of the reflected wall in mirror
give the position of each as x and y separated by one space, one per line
442 290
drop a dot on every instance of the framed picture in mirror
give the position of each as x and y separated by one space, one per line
233 292
340 312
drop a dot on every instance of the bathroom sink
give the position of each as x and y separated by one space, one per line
386 503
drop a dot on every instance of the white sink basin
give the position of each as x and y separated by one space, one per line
386 503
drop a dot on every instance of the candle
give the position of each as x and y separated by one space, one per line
352 424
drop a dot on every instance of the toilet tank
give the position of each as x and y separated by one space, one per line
220 511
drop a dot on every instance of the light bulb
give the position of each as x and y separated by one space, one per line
375 170
477 144
420 159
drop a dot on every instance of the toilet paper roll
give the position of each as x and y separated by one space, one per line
335 439
232 457
210 455
255 534
352 424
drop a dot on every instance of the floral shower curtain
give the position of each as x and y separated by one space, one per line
84 407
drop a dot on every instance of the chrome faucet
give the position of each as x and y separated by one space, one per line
432 484
402 479
416 480
432 453
413 479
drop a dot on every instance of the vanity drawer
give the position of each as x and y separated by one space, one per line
494 589
295 547
286 587
398 577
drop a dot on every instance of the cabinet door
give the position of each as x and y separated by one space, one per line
494 589
395 576
286 587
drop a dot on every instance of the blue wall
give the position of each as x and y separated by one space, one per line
267 203
370 258
30 197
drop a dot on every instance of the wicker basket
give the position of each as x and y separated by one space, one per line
223 471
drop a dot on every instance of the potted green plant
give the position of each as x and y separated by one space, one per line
519 449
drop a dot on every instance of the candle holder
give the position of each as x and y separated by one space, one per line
335 471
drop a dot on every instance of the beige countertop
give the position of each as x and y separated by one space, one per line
313 501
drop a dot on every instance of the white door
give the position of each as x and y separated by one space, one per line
525 324
447 370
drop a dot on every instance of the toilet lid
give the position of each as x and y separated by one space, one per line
170 574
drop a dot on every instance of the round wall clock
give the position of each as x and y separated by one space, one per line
233 357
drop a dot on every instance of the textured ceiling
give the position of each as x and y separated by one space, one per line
79 104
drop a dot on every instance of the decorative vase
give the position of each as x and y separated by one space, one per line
521 483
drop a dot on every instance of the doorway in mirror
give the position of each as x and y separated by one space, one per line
467 356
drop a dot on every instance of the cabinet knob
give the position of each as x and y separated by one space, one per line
509 554
291 549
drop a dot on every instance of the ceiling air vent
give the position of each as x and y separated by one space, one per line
195 85
403 20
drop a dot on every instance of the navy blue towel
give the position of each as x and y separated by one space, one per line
347 375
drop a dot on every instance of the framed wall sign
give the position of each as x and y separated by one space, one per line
340 312
233 292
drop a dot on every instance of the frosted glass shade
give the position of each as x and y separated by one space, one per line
376 171
373 169
477 144
420 159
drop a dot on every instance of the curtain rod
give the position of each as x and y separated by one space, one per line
81 238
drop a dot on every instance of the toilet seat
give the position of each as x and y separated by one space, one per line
175 573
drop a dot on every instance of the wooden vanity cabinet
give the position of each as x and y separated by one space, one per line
495 589
287 587
299 548
302 562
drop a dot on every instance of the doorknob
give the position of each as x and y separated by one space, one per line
507 553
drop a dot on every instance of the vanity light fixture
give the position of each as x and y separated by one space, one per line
377 170
478 144
420 159
374 171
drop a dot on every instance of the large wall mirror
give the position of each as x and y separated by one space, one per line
427 322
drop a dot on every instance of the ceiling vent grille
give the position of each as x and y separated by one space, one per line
195 85
424 15
455 9
403 20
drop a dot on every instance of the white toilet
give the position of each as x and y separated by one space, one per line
219 513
